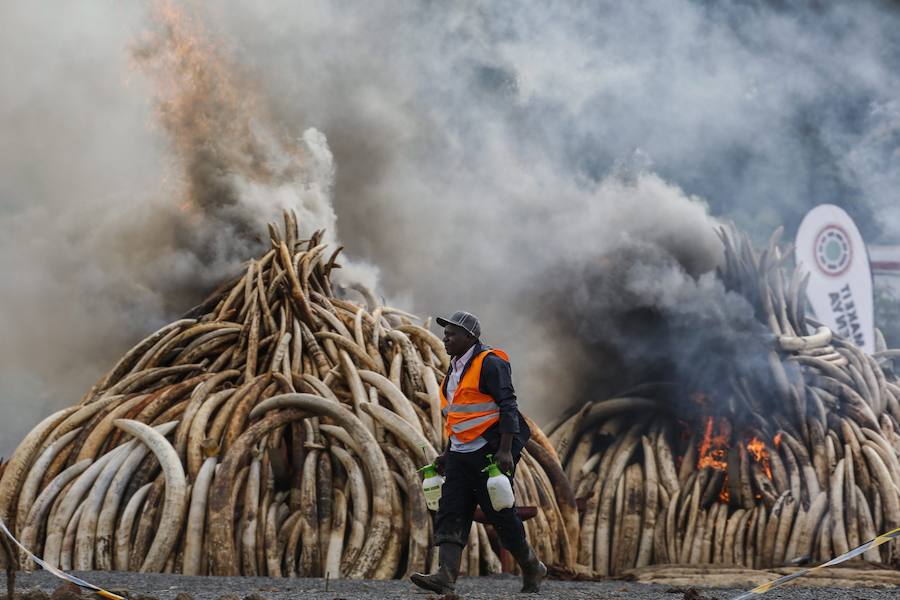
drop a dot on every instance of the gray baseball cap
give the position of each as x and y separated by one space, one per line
463 319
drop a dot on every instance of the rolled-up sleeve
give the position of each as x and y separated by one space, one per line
496 381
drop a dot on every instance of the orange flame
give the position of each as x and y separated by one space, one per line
777 440
713 450
757 449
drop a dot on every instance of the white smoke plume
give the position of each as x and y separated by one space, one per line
94 267
491 156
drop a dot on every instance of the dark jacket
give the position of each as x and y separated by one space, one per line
496 381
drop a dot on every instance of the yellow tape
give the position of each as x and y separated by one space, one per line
771 585
59 573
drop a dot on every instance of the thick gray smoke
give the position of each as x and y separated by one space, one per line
143 169
541 165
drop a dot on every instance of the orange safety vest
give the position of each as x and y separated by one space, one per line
471 413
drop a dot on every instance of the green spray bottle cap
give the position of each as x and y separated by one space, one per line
493 469
430 470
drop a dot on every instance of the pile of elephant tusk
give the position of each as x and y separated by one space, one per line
797 461
274 430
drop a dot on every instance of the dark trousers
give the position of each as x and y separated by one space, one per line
465 486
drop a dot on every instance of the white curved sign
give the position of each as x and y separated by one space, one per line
831 249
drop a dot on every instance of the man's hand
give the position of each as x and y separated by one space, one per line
504 454
505 461
440 462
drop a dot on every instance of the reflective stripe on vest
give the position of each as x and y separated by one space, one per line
471 413
470 408
457 428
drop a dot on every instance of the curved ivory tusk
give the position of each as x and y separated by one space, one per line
373 458
99 433
357 390
822 337
399 402
886 485
83 556
45 500
104 546
250 518
16 469
317 384
125 364
193 545
310 561
417 511
176 488
434 404
340 435
360 499
433 341
36 473
197 432
413 440
123 533
336 539
274 520
564 434
59 520
616 470
198 399
67 550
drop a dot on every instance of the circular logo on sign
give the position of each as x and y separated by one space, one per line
833 250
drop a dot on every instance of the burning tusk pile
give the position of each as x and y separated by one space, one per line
744 484
276 430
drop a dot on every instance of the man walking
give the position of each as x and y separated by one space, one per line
482 417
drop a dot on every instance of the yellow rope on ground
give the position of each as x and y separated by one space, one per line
771 585
61 574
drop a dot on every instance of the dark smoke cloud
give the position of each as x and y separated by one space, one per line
540 165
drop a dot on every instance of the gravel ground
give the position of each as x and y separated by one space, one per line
167 587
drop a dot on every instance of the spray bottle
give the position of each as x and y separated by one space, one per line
498 486
431 485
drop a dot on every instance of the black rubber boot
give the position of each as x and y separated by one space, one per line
533 570
444 581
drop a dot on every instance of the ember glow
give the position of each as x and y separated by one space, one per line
714 446
715 442
757 449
